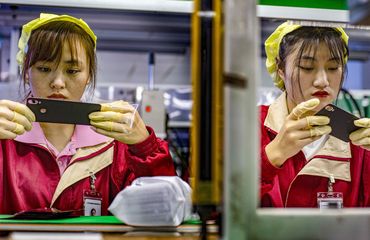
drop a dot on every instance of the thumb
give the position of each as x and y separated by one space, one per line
303 108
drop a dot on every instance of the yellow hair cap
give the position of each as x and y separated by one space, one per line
272 48
42 20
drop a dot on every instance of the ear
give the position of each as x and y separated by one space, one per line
26 78
281 74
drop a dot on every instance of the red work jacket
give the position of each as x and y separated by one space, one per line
297 182
30 177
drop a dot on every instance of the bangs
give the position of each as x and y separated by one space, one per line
330 37
47 44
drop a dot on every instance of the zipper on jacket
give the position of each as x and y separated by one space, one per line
287 193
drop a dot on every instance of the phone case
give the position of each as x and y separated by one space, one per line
341 121
59 111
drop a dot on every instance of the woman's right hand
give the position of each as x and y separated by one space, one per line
299 129
15 119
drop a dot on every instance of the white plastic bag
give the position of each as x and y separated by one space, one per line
153 201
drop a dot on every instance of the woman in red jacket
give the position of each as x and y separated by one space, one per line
66 166
302 166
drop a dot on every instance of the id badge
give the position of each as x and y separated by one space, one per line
92 203
330 200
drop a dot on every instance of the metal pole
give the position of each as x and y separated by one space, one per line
241 138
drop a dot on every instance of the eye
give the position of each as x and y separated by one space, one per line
73 71
43 69
305 68
333 68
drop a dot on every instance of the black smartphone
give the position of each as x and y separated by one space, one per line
59 111
341 121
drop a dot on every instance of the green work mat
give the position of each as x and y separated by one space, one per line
109 220
103 220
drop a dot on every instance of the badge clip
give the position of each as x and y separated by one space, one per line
92 199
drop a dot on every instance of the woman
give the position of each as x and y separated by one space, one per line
302 166
68 166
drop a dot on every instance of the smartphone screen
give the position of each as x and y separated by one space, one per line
341 121
60 111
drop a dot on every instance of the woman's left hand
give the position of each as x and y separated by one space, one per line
121 121
361 137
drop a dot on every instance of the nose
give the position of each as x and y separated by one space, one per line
321 80
58 82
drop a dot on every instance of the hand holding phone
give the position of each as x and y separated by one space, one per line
60 111
341 122
362 137
16 119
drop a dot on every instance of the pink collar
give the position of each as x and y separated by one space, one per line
83 136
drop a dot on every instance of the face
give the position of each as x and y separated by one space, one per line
315 75
66 80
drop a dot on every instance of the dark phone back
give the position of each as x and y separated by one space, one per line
59 111
341 121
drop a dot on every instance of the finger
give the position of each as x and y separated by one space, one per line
5 134
18 129
310 121
362 142
110 126
319 131
316 131
129 119
21 119
108 116
317 120
118 106
21 109
363 122
359 134
12 127
6 113
303 108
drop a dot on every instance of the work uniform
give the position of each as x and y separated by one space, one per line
297 182
33 176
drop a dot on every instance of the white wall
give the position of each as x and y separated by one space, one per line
130 69
4 59
355 75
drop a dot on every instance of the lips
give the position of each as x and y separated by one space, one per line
57 95
320 94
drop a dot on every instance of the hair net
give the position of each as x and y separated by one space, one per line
272 47
42 20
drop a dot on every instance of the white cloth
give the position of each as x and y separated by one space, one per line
153 201
311 149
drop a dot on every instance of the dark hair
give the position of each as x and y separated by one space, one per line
46 44
310 38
